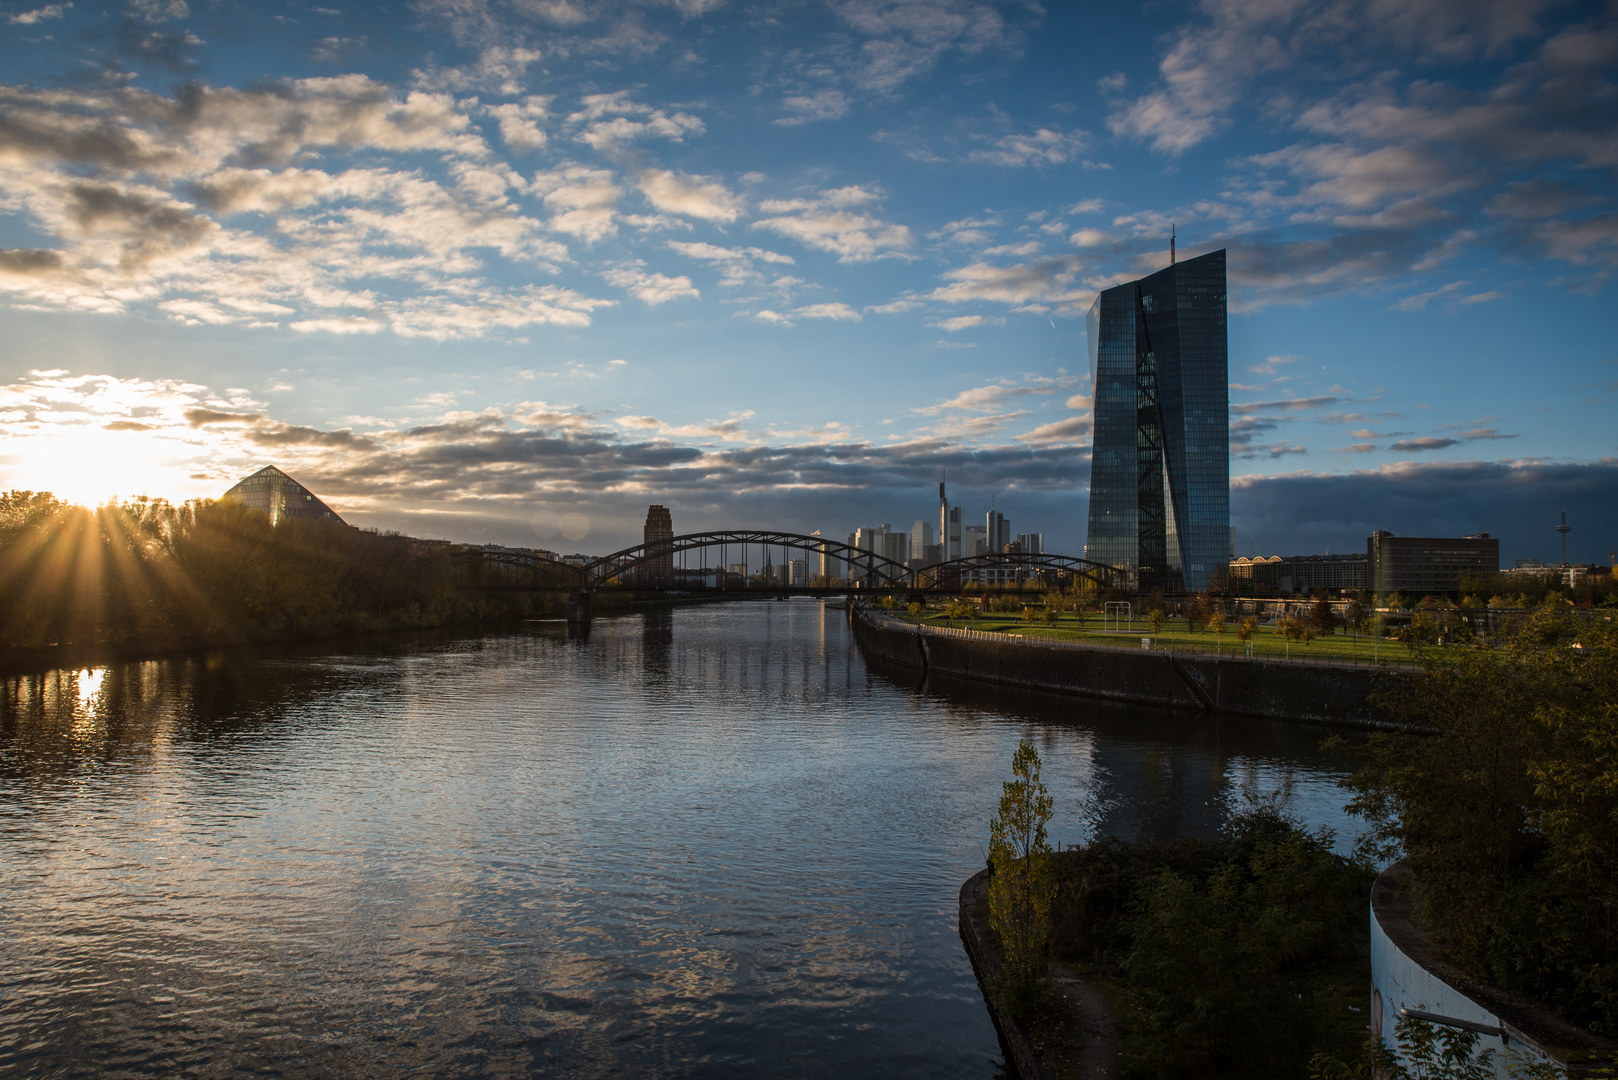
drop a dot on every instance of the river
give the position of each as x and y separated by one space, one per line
706 841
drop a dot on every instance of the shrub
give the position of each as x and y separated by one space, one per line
1508 815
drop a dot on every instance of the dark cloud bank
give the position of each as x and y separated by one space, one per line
483 483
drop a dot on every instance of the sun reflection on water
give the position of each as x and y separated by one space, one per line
89 684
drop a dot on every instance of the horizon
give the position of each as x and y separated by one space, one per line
474 269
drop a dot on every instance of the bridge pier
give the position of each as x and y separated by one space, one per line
578 614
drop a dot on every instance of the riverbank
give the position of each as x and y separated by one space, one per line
478 613
1200 683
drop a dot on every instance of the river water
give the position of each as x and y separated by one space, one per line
708 841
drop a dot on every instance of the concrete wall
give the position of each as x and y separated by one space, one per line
1408 971
1273 689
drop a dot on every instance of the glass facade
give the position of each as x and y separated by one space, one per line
1160 463
275 493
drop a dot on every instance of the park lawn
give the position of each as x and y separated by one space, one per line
1268 643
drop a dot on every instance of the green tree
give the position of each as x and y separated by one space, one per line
1507 815
1247 628
1020 884
1156 618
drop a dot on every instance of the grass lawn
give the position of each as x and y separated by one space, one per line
1267 643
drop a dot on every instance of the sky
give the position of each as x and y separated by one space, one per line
506 271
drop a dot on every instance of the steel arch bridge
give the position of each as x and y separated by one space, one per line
661 566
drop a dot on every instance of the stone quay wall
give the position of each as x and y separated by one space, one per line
1274 689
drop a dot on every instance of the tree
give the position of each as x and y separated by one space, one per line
1156 618
1506 814
1195 614
1321 618
1247 628
1021 886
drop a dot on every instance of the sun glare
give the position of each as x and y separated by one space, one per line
89 684
91 467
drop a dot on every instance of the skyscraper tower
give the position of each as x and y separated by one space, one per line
1564 529
658 530
943 525
1160 462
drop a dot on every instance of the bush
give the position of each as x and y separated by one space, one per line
1240 955
1508 815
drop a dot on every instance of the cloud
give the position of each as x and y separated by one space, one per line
1045 146
1272 363
736 265
38 15
830 222
197 212
520 123
827 104
984 399
607 121
1422 444
651 288
693 196
584 199
835 312
963 322
1311 512
1048 279
1284 405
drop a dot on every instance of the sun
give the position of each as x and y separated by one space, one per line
91 465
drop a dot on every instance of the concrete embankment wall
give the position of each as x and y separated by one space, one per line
1409 971
1272 689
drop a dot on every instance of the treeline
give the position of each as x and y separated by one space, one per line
149 574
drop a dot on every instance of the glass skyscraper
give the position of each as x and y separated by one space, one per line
1160 462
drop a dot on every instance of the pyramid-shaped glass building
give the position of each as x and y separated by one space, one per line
280 496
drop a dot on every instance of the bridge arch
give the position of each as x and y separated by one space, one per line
874 571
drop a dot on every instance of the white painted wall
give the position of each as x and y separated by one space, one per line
1398 982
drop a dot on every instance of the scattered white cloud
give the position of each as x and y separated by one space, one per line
837 222
693 196
651 288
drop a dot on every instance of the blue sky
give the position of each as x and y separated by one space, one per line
468 267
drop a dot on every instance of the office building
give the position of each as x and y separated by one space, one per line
921 538
1031 543
974 541
1276 576
1160 461
950 542
996 531
273 492
1428 564
658 530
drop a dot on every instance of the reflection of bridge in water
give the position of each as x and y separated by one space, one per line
667 566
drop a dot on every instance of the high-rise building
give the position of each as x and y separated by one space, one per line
921 538
275 493
996 531
974 541
659 530
950 540
1031 543
1160 461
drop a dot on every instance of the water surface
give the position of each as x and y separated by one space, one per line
705 842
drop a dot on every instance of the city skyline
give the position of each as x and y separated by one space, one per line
501 273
